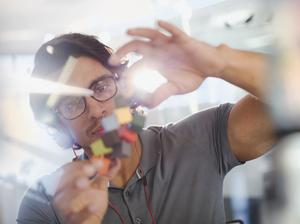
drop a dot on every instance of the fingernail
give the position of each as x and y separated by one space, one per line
82 183
89 170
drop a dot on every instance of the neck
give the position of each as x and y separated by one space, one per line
128 166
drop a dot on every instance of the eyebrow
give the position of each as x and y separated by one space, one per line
100 79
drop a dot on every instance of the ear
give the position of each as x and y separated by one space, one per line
62 137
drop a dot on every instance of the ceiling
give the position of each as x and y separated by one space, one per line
24 25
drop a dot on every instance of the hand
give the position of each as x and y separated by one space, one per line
78 198
182 60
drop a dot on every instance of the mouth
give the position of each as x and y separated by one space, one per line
98 131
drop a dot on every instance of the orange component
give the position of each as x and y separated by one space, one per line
106 162
127 135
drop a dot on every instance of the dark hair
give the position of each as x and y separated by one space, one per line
51 57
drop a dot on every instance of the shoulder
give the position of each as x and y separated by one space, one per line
36 205
198 122
198 129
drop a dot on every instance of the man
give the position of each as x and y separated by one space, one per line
175 173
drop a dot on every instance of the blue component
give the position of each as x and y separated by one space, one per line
110 123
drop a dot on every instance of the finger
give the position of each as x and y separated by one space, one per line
151 34
77 174
138 46
175 31
92 219
72 201
100 182
162 93
61 202
87 216
87 198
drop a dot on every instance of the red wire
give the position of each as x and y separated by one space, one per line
148 202
147 196
149 205
116 211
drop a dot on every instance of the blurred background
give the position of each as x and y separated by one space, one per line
28 151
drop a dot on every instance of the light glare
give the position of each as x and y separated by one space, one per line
148 80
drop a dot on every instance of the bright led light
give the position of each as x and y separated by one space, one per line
148 80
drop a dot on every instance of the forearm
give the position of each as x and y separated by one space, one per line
247 70
250 129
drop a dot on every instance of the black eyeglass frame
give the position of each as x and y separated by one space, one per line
113 77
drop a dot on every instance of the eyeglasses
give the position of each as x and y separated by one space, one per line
104 89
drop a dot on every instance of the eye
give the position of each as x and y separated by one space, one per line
100 88
70 105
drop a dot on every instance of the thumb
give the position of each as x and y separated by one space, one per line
100 183
162 93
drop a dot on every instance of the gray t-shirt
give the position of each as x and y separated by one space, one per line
179 180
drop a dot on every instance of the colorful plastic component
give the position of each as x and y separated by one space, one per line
111 138
127 134
124 115
119 131
137 123
98 148
121 150
106 162
110 123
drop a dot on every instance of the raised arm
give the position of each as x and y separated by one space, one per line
186 63
250 129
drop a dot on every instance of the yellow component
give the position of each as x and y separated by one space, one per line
98 148
124 115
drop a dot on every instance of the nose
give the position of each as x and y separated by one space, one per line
95 109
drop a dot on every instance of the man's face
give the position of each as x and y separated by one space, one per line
86 128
